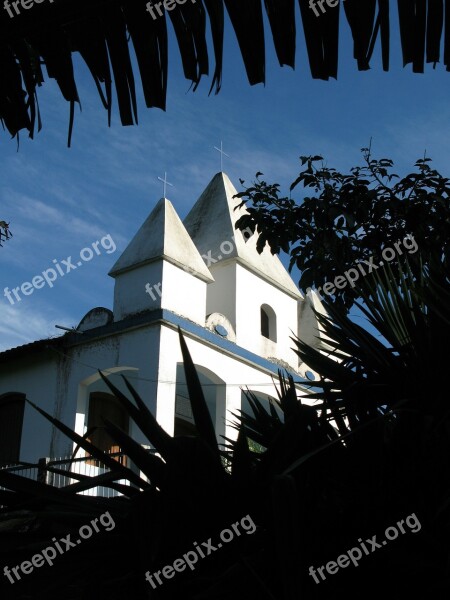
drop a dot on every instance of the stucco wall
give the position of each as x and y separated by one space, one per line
251 293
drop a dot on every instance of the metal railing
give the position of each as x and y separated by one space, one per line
61 472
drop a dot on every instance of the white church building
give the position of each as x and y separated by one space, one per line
236 308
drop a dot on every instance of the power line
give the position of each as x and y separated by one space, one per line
245 384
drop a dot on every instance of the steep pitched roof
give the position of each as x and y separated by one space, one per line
211 222
162 236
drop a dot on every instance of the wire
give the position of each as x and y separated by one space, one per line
166 381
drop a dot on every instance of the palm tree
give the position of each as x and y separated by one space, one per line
385 392
373 451
100 30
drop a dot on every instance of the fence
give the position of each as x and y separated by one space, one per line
60 472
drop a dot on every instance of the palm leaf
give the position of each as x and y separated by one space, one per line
99 30
200 411
143 418
92 449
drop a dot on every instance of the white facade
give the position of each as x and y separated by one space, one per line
202 276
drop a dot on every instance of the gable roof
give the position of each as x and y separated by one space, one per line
162 236
211 223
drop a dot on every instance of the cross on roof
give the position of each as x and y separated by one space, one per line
222 154
166 183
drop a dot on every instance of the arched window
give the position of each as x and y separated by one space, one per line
214 391
267 402
12 408
268 323
105 406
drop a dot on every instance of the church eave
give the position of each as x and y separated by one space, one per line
293 294
207 279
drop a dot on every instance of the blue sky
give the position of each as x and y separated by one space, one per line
59 200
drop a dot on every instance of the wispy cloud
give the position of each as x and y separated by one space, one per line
26 324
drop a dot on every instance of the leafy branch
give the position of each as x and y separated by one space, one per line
5 232
346 218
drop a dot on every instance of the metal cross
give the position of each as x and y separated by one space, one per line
165 182
222 154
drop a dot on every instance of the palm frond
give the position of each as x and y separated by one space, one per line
100 30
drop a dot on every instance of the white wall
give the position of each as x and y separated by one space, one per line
148 356
184 294
238 294
234 372
251 293
221 293
37 379
169 287
130 296
61 386
134 354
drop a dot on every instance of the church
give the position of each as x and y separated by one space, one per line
237 309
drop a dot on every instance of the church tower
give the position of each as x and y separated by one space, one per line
161 268
253 291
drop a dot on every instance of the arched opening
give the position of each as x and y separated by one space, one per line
268 323
268 404
214 392
12 408
105 406
94 384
